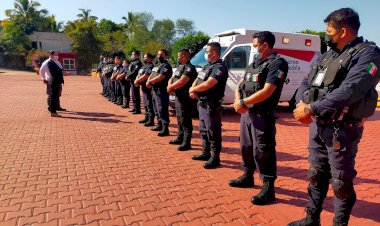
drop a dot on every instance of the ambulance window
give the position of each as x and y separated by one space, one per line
238 57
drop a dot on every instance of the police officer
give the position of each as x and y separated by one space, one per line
101 64
107 74
158 79
125 85
255 99
118 68
180 83
335 99
209 89
141 79
133 71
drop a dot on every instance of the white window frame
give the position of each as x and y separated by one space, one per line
72 67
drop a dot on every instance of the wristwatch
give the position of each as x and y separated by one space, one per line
242 103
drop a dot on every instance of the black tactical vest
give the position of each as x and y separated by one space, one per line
254 80
330 74
214 94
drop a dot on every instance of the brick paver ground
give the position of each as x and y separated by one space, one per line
97 166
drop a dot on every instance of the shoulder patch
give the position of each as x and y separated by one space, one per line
280 74
372 69
188 69
218 72
164 70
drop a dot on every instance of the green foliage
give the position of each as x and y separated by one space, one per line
86 44
163 31
108 26
13 40
35 58
321 34
193 42
184 27
113 41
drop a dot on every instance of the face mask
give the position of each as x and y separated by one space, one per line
329 41
56 58
132 57
206 57
256 54
161 59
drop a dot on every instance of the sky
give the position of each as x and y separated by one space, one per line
215 16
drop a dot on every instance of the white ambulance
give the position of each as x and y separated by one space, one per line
300 50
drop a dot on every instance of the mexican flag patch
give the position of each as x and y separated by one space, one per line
372 69
280 74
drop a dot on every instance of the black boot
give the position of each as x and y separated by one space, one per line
312 218
158 127
177 140
186 144
213 162
165 130
244 181
204 156
150 122
339 223
146 118
266 194
126 103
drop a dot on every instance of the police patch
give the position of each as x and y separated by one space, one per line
372 69
188 69
255 78
218 72
248 76
280 74
164 70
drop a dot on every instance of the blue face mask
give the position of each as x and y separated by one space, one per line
256 54
132 57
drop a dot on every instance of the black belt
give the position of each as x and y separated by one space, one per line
346 120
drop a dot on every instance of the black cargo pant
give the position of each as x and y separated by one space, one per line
135 96
327 161
258 144
161 101
183 105
210 126
53 91
148 101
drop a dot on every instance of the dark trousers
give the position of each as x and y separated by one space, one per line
183 112
118 91
49 93
161 101
148 101
339 164
258 144
53 91
210 126
136 96
125 90
103 84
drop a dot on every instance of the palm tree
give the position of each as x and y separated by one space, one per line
25 9
85 15
130 23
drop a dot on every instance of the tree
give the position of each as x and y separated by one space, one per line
113 41
13 40
107 26
26 15
184 27
85 15
193 42
321 34
86 44
163 31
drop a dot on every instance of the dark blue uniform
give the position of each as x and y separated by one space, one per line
337 129
134 68
125 88
183 102
99 70
210 106
118 90
257 126
147 93
160 93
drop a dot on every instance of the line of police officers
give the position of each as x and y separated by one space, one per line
336 98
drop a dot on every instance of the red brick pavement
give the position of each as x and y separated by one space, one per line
97 166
